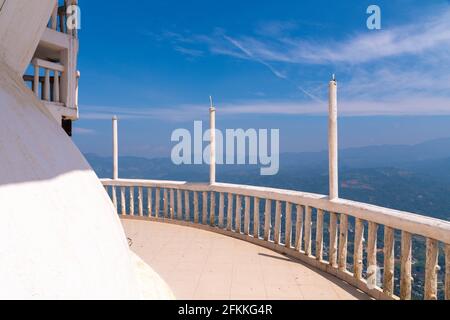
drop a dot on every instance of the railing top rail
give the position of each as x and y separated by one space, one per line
48 64
413 223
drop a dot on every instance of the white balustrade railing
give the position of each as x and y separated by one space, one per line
46 87
50 83
375 249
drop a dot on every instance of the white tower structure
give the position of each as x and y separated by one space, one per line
59 233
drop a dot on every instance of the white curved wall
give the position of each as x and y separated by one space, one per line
22 23
59 234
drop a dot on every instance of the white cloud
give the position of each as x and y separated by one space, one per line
172 114
406 105
420 36
400 70
83 131
189 52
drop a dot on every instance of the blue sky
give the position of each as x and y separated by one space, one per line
267 64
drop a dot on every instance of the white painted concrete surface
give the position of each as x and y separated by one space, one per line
59 235
22 23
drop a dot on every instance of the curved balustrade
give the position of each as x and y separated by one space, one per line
375 249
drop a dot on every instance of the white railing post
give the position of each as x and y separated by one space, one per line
54 18
76 89
56 97
212 156
36 79
115 149
333 140
47 85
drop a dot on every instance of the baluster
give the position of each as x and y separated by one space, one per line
431 269
123 200
276 232
149 201
54 21
247 216
166 203
140 202
388 277
195 207
307 231
187 207
230 212
212 209
179 205
372 256
238 213
157 202
131 190
256 218
405 267
288 225
447 272
205 207
333 240
172 203
343 242
299 228
114 196
267 222
221 207
61 15
319 235
47 85
56 89
36 80
358 250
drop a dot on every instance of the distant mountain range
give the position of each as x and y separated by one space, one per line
413 178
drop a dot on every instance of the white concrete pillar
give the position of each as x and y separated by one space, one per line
115 149
56 86
212 165
55 17
36 80
47 85
77 89
333 140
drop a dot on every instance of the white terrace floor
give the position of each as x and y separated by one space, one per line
199 264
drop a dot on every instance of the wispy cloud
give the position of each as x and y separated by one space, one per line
83 131
276 27
173 114
250 55
346 107
420 36
395 71
189 52
277 73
